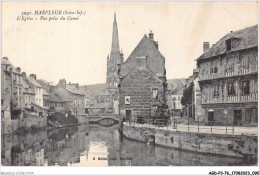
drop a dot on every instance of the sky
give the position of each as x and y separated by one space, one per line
77 49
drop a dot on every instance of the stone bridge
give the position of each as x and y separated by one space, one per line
102 119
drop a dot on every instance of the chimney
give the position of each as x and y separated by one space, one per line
52 89
195 73
24 74
141 61
151 35
33 76
156 44
62 82
205 47
121 57
77 85
18 69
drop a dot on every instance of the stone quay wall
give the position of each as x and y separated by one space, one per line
13 125
241 146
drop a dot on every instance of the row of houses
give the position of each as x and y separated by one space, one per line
27 101
226 80
21 99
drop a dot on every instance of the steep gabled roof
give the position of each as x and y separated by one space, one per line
55 98
34 82
27 88
139 71
44 92
94 89
245 38
5 62
146 47
45 85
74 90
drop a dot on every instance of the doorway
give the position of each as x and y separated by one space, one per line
128 115
237 117
210 116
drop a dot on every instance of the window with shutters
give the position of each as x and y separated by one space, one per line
155 93
228 44
245 87
231 89
216 91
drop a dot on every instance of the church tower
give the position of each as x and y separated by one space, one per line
114 61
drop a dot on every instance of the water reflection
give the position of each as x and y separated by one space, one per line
93 145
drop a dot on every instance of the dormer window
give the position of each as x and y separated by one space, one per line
228 44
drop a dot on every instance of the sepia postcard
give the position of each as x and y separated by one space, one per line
153 83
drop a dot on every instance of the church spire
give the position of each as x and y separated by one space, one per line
115 40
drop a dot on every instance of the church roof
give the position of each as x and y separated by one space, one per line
146 47
246 38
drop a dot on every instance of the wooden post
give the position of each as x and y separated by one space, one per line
188 125
233 128
226 125
211 127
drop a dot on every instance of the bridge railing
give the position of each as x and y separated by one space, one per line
190 126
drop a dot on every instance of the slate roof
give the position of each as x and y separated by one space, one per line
94 89
44 92
39 106
27 88
74 90
45 85
5 62
247 38
55 98
34 82
146 47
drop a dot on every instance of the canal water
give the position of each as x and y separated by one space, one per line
95 145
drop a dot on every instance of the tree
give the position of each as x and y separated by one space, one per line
186 99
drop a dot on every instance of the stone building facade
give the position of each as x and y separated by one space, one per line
36 88
142 85
5 96
18 107
228 78
17 88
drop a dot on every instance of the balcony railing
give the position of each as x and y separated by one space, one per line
252 97
228 74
